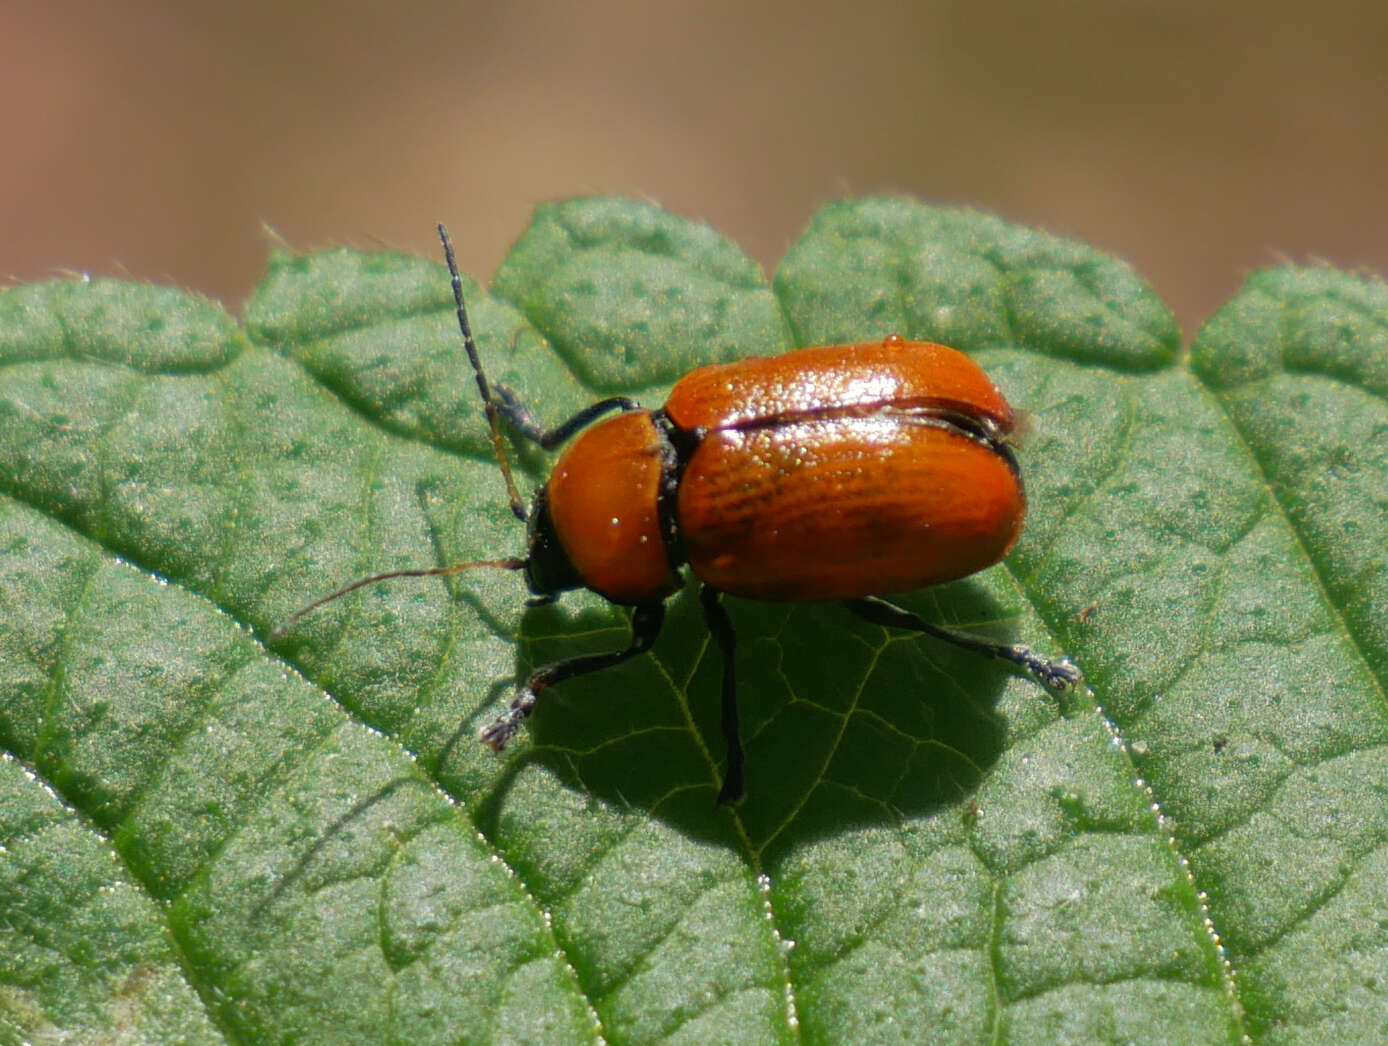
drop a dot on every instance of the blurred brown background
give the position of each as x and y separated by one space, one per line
1199 140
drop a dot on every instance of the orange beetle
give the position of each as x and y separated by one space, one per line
839 472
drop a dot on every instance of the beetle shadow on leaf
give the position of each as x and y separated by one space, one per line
845 724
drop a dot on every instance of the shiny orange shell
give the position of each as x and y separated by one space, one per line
892 373
603 499
834 472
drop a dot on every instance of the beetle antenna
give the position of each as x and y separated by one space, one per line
293 619
488 400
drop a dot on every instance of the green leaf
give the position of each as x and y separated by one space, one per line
206 837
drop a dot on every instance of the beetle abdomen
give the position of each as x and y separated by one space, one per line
831 379
844 507
845 471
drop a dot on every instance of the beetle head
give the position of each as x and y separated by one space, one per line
548 569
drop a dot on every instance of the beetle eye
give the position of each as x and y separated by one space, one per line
548 569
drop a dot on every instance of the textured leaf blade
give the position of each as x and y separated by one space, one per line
946 848
288 842
1299 360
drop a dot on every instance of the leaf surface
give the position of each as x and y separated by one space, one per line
209 836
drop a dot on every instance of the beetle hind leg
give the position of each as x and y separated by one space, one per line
1058 675
645 626
734 788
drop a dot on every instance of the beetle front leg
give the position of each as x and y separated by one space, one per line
1056 675
734 788
525 423
645 626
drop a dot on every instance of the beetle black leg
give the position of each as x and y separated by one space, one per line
645 626
734 785
501 402
524 422
1056 675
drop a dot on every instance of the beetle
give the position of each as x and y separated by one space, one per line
843 472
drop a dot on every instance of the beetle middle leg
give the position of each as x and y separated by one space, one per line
734 788
645 626
1056 675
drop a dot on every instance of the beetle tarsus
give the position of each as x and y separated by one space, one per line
734 789
527 425
1059 675
646 620
498 735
